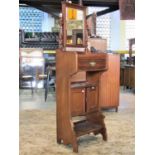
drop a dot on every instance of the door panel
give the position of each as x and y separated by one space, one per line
77 101
92 98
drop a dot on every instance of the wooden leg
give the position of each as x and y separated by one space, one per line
31 88
36 86
46 92
104 134
116 110
95 132
46 89
58 141
75 146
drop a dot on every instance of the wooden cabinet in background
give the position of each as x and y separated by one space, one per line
110 80
110 83
129 76
126 76
121 76
132 75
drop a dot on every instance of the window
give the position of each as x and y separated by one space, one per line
30 19
129 32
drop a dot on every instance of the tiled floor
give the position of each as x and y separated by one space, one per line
36 101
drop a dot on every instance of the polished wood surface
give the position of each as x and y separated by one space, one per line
110 83
78 101
76 98
98 43
77 86
92 62
79 76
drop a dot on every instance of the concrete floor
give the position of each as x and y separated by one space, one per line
27 101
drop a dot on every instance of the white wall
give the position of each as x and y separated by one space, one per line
121 31
115 31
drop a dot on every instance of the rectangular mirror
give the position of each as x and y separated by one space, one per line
74 25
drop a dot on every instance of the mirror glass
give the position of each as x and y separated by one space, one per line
74 26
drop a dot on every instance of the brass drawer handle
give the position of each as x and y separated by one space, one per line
92 64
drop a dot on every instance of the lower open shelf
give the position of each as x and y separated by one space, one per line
85 127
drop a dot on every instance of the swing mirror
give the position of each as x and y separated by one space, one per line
74 25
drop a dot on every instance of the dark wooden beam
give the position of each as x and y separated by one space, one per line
41 2
101 3
56 7
50 10
85 2
109 10
103 12
51 6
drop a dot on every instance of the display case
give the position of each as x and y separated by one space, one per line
31 64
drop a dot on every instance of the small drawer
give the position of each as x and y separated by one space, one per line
92 64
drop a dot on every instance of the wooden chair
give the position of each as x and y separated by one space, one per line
49 85
46 78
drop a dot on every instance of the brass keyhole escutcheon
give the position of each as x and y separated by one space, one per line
92 64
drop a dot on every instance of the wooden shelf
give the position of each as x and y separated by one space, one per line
85 127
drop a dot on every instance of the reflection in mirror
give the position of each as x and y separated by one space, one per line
74 26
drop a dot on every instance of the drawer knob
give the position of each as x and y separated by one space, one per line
93 88
83 91
92 63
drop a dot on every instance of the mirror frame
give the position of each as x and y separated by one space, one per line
64 30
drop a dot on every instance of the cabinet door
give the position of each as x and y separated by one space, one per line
77 101
92 98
